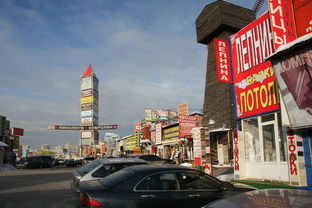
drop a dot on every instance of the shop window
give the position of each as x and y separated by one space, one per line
252 141
269 143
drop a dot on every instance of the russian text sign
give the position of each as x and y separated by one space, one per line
254 79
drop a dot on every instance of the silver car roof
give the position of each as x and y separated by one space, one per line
120 160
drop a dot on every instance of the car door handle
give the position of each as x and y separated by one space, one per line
193 196
147 196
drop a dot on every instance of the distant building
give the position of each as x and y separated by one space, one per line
45 147
59 150
68 146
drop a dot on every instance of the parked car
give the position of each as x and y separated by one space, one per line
154 159
70 163
40 161
100 168
269 198
155 186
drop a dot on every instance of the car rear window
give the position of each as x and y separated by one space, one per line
88 167
108 169
117 177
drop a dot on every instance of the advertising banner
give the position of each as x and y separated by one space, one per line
17 132
87 113
158 133
89 99
132 143
254 79
223 60
183 109
86 93
86 83
100 127
282 22
86 99
303 16
86 134
86 106
236 154
171 134
87 120
186 124
196 134
294 74
137 127
155 114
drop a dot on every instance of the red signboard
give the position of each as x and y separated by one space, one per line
303 16
236 152
186 124
282 21
292 151
254 79
17 132
223 60
137 127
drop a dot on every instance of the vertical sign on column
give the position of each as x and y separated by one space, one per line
223 60
282 22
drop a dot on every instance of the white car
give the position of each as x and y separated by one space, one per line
100 168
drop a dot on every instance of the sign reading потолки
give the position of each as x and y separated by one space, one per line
254 79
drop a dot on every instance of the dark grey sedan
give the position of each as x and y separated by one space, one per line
100 168
148 186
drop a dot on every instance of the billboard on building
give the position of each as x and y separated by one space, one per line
86 106
86 93
86 134
186 124
303 16
132 143
223 64
255 83
17 132
155 114
183 109
282 22
158 131
294 74
171 134
87 113
137 127
86 83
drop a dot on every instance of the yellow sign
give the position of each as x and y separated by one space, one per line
132 142
86 99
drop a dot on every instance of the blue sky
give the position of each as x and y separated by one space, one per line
144 53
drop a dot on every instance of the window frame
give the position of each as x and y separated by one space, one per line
180 182
158 173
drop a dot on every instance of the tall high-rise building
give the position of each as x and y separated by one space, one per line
89 108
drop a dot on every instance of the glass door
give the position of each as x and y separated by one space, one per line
269 143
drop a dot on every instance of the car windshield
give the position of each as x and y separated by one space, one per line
88 167
117 177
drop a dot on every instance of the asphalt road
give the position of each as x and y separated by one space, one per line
37 188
